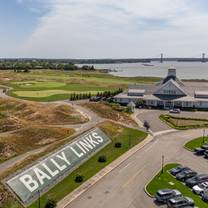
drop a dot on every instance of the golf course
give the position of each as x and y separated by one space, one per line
52 85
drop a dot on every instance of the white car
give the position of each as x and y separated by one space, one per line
200 188
175 110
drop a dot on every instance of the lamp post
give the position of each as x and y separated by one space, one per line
129 140
163 158
203 135
38 198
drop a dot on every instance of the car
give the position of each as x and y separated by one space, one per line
179 202
196 180
199 151
205 196
200 188
178 169
205 146
163 195
175 110
95 99
206 154
184 175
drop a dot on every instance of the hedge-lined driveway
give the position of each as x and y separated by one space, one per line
152 116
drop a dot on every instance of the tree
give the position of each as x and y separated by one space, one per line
50 204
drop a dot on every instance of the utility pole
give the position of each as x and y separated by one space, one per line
161 58
203 58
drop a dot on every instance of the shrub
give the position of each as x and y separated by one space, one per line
118 145
79 179
50 204
102 159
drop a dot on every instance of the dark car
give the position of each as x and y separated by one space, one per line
199 151
178 169
196 180
205 196
162 196
179 202
184 175
206 154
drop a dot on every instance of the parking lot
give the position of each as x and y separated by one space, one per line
124 186
152 116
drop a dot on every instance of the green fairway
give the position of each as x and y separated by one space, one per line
47 93
198 142
54 85
166 180
33 84
92 166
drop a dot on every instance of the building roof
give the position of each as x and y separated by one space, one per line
138 91
201 93
173 84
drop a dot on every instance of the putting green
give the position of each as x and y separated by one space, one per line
34 84
47 93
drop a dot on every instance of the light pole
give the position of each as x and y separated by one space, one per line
163 158
38 198
129 140
203 135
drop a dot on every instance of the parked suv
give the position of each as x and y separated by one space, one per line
199 189
179 202
184 175
205 196
196 180
178 169
164 195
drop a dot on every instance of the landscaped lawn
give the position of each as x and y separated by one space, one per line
166 180
198 142
117 133
128 137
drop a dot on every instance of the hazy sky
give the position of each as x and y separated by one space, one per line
103 28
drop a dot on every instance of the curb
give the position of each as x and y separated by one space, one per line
92 181
145 188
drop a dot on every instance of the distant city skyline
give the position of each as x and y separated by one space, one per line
103 29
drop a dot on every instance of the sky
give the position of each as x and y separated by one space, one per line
103 28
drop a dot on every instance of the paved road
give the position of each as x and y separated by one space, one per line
123 187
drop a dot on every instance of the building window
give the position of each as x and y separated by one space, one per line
169 92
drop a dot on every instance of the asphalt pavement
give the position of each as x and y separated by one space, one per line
124 186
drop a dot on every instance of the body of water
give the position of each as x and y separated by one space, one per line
185 70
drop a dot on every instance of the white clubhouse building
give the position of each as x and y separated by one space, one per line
169 93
